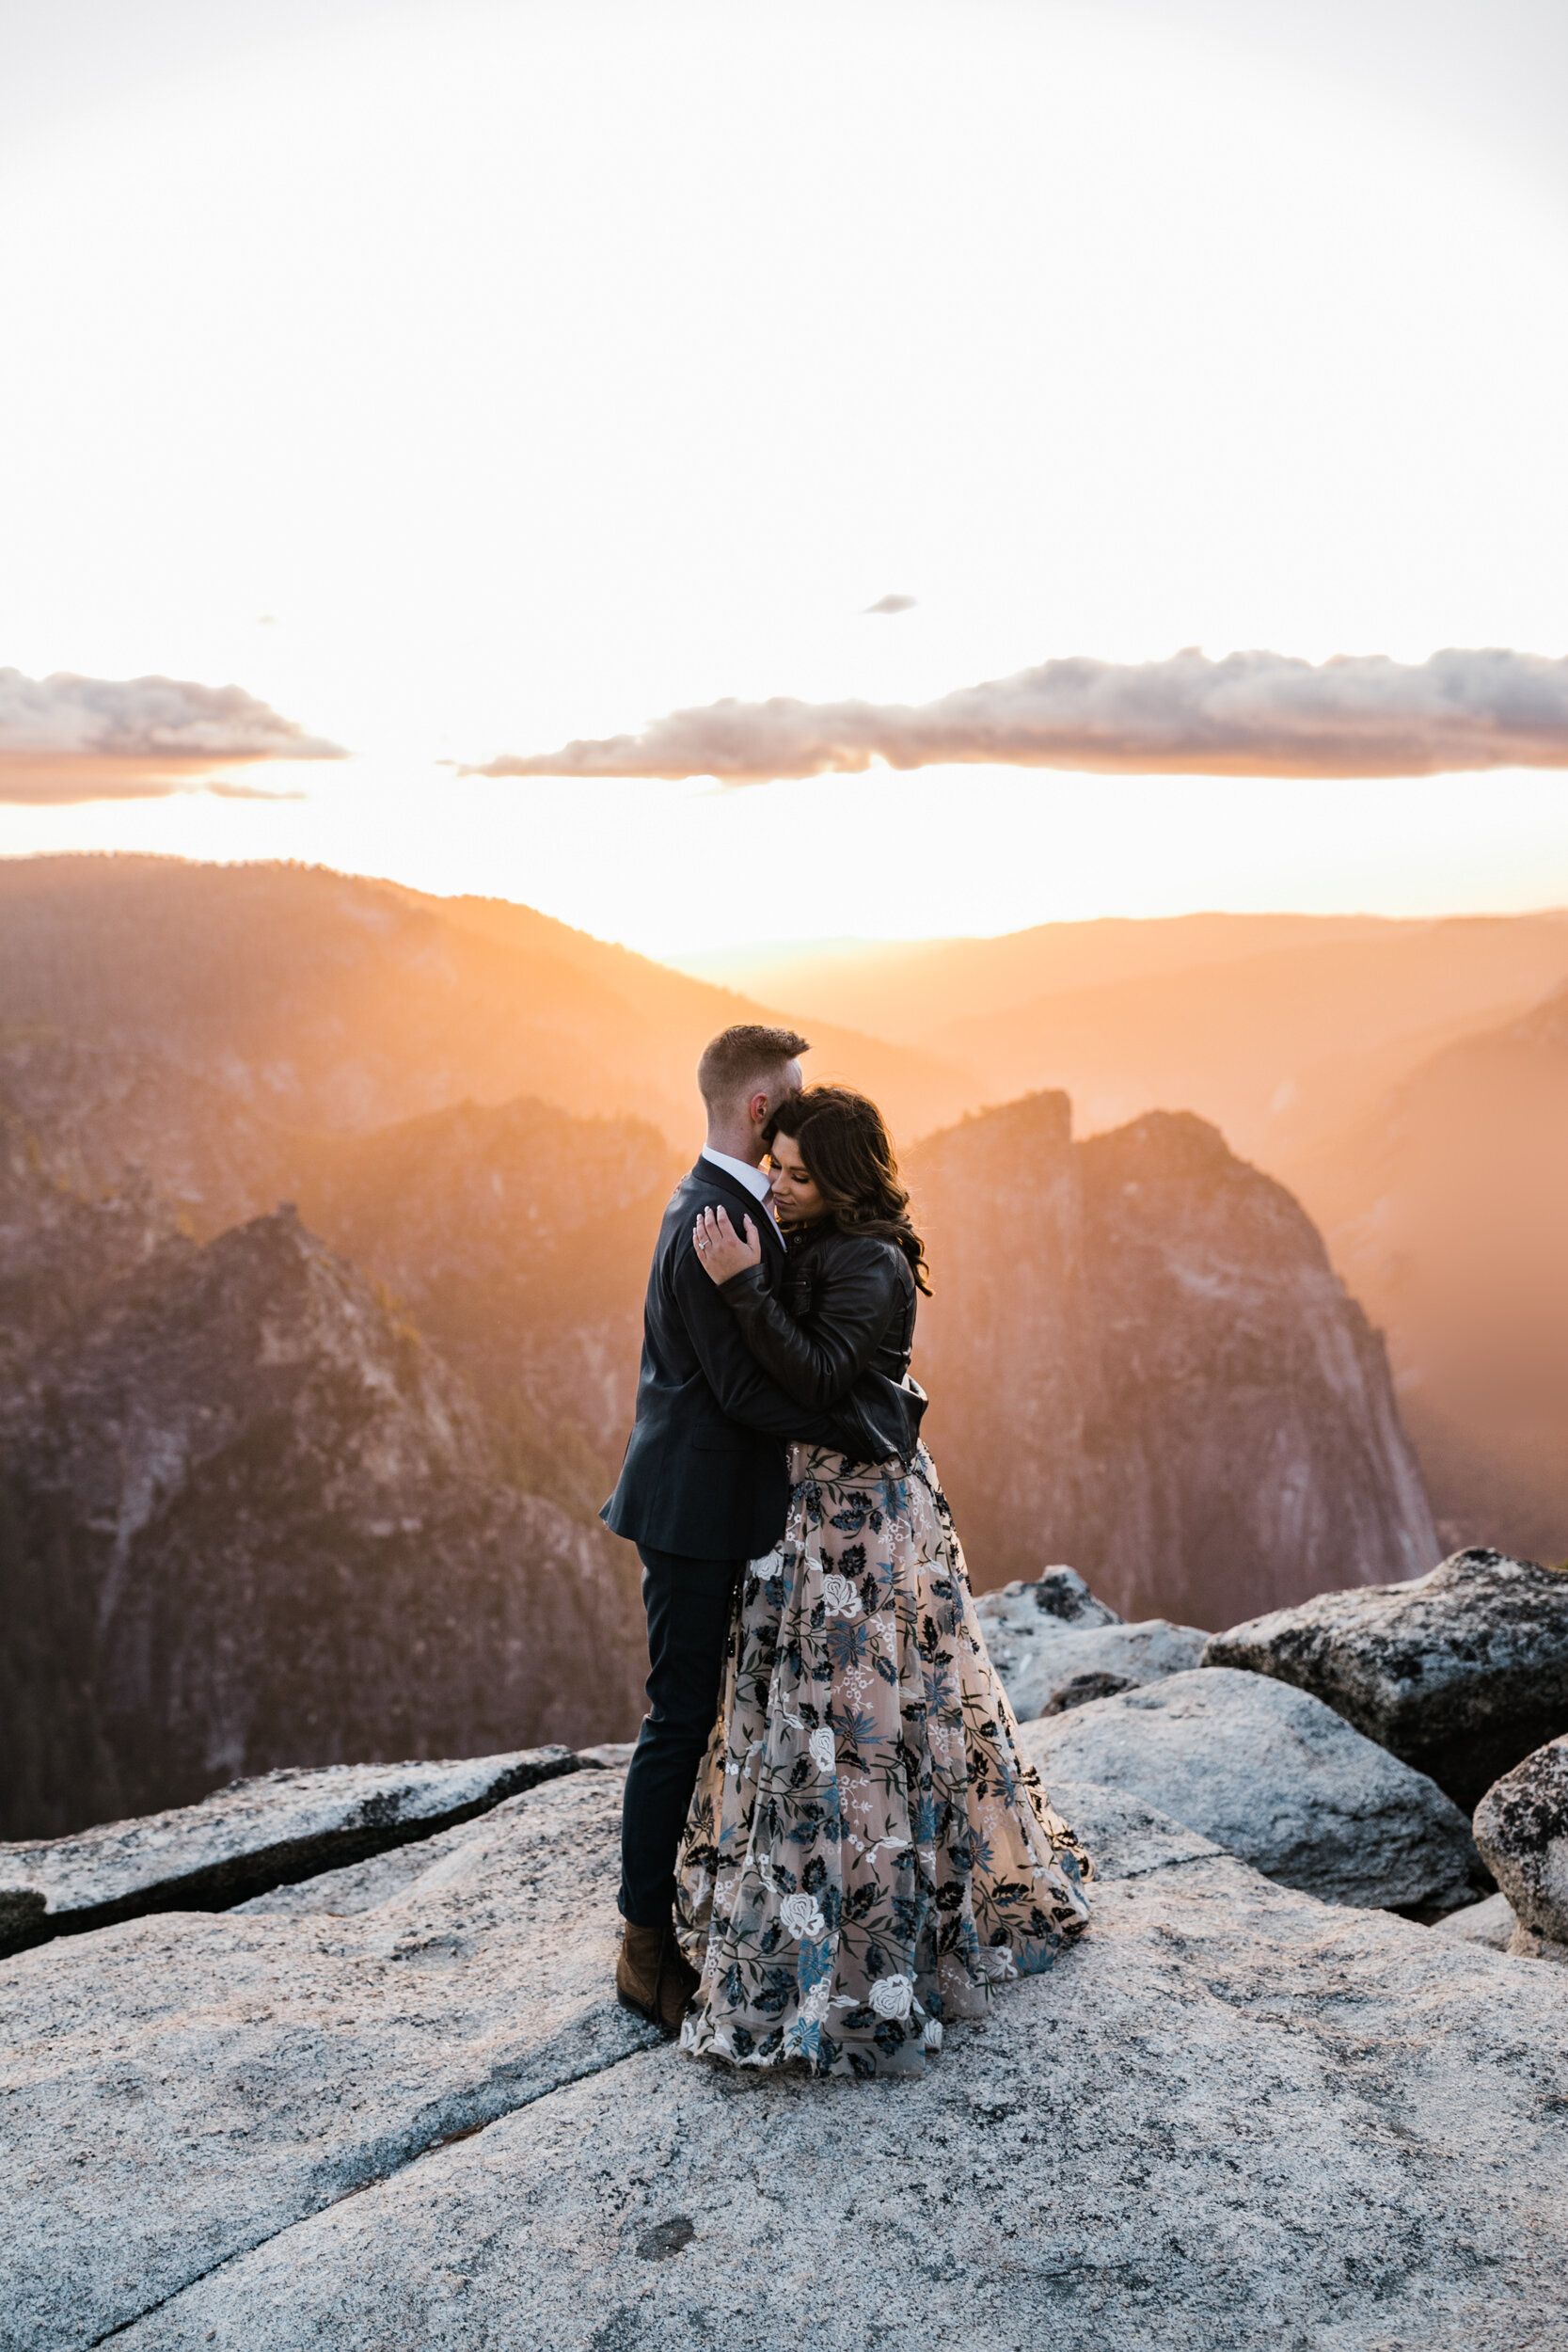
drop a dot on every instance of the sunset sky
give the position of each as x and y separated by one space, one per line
466 381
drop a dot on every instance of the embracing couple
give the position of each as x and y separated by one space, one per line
830 1843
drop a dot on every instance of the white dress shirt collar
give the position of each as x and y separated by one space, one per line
756 1179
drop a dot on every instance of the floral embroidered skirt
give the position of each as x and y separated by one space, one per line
866 1852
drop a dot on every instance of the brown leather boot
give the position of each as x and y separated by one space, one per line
653 1977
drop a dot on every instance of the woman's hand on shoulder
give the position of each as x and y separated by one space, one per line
719 1248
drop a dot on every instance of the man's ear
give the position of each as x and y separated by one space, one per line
759 1106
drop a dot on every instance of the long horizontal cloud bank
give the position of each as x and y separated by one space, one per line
67 738
1254 714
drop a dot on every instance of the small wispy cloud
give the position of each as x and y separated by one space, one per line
66 739
1251 714
892 604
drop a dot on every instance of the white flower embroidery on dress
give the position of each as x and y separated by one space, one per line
801 1915
824 1680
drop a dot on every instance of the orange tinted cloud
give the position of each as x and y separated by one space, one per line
1254 714
66 739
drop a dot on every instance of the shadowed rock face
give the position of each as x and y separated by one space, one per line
1140 1359
247 1519
1270 1774
1522 1828
1462 1672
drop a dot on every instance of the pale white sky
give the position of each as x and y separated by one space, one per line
537 369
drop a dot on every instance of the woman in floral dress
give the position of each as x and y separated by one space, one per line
866 1853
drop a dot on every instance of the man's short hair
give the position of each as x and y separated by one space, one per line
735 1058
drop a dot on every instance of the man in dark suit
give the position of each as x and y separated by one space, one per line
702 1489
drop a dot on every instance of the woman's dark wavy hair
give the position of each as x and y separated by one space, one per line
848 1155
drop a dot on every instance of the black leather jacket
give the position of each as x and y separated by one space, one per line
837 1337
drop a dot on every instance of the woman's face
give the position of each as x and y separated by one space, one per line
796 1199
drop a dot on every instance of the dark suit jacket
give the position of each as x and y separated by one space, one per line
706 1469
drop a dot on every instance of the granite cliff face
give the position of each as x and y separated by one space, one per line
1141 1361
516 1235
250 1519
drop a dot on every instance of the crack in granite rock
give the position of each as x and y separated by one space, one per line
246 1839
183 2086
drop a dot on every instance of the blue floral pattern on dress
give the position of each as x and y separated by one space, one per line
866 1853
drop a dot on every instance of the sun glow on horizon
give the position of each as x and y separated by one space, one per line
465 380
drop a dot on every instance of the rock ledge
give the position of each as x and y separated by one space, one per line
243 1840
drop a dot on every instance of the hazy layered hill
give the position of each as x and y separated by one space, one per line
1278 1049
518 1239
516 1234
1281 1030
77 1110
1142 1363
1447 1208
331 1002
907 988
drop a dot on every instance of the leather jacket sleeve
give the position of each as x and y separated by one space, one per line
851 1315
736 1375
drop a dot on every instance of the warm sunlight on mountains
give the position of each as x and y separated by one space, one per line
261 1032
330 1002
1408 1080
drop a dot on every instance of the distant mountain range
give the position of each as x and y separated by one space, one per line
1447 1209
296 1484
335 1003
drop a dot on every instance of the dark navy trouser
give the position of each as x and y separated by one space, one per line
687 1603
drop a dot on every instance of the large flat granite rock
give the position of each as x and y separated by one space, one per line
1051 1634
1233 2118
250 1836
1491 1923
1461 1672
1272 1775
182 2087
